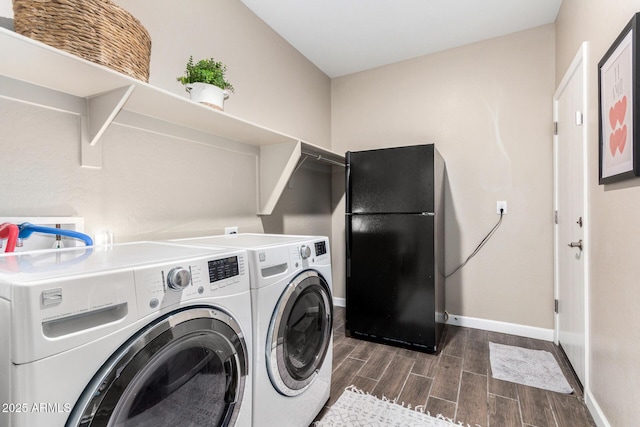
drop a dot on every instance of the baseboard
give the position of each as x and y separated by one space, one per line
503 327
488 325
594 410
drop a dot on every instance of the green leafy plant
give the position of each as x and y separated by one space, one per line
206 71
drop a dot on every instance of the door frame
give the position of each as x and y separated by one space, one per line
581 60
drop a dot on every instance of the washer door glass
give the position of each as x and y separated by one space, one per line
300 333
188 369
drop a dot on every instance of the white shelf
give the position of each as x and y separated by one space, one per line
39 74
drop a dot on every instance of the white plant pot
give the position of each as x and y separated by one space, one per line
205 93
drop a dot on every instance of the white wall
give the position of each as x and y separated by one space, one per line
614 294
149 186
275 85
487 107
6 9
154 187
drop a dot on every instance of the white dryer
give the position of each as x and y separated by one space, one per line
291 296
139 334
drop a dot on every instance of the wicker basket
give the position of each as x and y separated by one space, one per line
96 30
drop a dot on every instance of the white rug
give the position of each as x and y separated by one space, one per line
535 368
354 408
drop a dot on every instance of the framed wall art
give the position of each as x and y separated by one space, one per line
618 108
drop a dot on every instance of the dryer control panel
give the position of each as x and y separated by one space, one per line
162 286
310 253
321 248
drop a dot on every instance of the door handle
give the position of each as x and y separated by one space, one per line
577 244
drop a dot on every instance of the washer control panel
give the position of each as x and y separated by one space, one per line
163 286
224 268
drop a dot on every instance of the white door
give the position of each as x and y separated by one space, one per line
571 244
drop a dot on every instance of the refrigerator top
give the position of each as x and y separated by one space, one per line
397 180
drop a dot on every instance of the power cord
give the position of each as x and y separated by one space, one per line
480 245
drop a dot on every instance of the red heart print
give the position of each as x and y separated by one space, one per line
618 140
617 112
622 138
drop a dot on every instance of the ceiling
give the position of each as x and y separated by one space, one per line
345 36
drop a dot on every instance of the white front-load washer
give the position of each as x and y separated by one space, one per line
291 296
139 334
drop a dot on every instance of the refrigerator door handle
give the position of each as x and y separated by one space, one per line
347 184
348 245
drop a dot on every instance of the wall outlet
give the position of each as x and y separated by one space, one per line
501 204
231 230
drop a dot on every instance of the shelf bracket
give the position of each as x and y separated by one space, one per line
101 110
277 165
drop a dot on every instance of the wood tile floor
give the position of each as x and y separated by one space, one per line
457 383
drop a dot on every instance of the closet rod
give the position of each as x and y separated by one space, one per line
319 157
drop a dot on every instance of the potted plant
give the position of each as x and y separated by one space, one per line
206 83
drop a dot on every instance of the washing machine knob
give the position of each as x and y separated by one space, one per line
178 278
305 251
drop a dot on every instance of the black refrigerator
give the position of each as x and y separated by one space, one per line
395 246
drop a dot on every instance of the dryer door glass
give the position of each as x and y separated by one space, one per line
300 333
188 368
